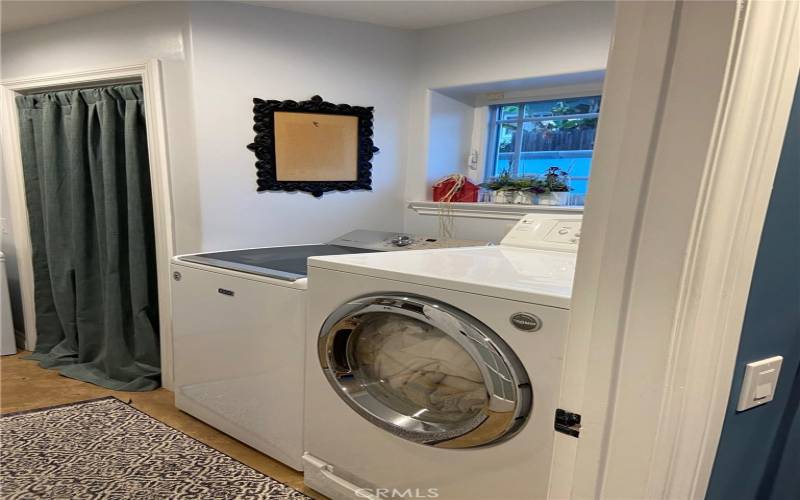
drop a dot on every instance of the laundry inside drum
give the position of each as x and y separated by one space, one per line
417 370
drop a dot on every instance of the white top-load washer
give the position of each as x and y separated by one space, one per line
238 326
436 373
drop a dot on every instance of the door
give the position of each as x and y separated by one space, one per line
424 371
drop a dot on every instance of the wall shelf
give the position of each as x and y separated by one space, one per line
500 211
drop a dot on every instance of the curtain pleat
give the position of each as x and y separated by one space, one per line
87 181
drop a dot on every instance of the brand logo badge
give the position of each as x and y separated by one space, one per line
526 322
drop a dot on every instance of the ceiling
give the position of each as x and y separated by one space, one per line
405 14
20 15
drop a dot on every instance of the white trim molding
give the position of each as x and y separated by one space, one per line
149 73
540 94
501 211
78 79
724 244
693 122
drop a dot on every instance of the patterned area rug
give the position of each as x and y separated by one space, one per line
104 448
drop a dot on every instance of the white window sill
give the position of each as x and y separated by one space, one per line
501 211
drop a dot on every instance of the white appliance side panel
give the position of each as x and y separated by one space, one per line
8 343
239 356
360 453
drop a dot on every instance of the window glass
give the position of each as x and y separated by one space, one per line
549 133
507 138
509 112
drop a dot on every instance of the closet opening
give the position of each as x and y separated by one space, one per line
90 213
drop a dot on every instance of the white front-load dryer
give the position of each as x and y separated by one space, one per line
436 374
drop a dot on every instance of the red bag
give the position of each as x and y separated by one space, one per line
455 188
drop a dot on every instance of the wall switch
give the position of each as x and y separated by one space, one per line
760 380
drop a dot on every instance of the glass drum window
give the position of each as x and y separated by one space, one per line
424 371
527 138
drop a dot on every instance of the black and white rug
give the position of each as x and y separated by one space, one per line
104 448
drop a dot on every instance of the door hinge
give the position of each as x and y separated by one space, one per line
568 422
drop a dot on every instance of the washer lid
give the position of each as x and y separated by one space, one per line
527 275
286 263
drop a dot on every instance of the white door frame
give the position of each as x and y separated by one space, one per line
696 100
149 74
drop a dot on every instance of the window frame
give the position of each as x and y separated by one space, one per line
494 124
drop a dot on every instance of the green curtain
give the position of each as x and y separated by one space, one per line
87 184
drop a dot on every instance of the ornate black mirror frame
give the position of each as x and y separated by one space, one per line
264 145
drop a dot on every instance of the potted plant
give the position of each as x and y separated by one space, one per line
503 188
556 187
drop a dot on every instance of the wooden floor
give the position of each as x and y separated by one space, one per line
24 386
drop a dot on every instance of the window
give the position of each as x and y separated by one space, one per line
529 137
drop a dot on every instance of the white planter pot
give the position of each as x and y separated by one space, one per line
503 196
554 199
523 197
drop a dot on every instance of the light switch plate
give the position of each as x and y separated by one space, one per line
760 381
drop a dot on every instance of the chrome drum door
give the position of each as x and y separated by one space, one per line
424 371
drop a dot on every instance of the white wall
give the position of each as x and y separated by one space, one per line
243 51
130 35
450 127
218 56
556 39
560 38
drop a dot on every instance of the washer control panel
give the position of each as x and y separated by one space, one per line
381 241
413 242
546 232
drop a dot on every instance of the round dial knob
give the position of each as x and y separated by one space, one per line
401 240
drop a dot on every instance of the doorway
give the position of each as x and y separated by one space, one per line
148 75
